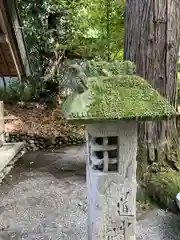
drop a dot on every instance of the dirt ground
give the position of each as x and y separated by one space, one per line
44 197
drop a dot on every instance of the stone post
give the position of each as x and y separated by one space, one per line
111 180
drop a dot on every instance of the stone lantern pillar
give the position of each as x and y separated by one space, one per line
110 109
111 180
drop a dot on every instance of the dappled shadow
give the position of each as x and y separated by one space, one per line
68 161
64 163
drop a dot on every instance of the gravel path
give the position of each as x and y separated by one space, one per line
159 225
44 198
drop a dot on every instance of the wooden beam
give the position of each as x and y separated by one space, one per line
5 31
19 36
4 59
3 38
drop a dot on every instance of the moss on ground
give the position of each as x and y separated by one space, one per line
142 207
117 97
163 188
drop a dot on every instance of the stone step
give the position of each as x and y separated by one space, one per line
8 152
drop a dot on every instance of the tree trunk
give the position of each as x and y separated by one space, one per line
152 42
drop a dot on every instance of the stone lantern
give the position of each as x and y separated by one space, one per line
110 109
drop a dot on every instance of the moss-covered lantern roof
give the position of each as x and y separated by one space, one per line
119 97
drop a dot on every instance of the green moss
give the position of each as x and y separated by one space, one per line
178 74
163 187
142 206
118 97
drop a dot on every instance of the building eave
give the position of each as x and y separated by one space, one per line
12 44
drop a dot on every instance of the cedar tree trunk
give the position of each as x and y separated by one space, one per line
152 42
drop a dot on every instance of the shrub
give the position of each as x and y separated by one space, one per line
163 187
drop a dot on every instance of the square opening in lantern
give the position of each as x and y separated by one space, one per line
104 153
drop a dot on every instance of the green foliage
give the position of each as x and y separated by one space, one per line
2 95
55 29
178 65
16 92
28 91
103 68
178 81
164 186
94 26
178 87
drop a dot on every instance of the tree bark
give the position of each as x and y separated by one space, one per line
152 42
